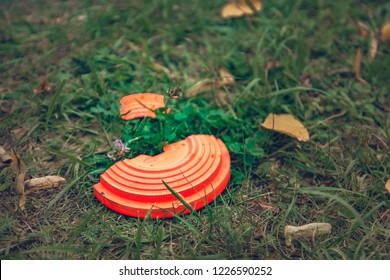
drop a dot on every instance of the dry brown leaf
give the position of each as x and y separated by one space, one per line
358 62
202 86
310 230
363 28
340 71
160 68
62 18
153 65
43 183
273 168
365 32
5 106
357 66
385 32
4 156
268 206
288 125
328 119
241 8
18 131
222 98
388 185
19 169
226 79
22 202
44 87
134 47
305 80
273 65
304 199
384 219
373 47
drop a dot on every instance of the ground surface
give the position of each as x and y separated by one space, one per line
293 57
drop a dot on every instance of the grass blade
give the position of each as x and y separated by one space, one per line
358 219
71 184
64 249
191 227
188 206
291 90
53 102
138 236
81 227
69 156
159 239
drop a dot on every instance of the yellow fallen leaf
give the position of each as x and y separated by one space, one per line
310 230
19 169
288 125
241 8
385 32
388 185
231 10
246 6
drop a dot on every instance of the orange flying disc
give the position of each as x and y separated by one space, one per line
140 105
196 168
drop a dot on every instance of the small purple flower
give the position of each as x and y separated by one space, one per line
120 150
120 147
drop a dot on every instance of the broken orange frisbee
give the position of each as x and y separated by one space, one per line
140 105
196 168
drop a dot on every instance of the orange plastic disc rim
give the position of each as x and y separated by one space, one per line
197 168
141 105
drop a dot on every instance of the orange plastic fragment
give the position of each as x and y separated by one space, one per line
197 168
140 105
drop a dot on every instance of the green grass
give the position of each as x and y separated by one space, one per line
94 52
